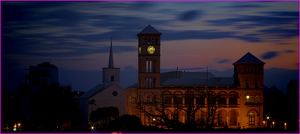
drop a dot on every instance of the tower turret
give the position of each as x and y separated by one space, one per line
149 58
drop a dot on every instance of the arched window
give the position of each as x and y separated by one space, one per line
200 117
169 114
256 83
222 98
233 117
233 98
177 97
251 118
167 98
247 83
189 98
211 98
200 98
148 98
154 98
222 117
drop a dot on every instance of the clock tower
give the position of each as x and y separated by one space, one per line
149 58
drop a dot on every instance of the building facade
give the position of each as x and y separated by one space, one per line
107 94
237 101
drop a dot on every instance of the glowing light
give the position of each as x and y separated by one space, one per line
19 124
247 97
285 123
92 127
268 117
273 122
153 119
151 49
264 122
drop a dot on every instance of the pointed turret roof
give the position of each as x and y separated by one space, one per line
249 58
111 58
150 30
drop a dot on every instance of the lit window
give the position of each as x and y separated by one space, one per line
247 98
251 119
256 99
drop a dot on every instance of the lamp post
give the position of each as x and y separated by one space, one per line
268 118
285 126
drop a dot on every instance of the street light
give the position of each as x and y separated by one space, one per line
285 127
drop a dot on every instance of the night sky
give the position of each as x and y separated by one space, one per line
75 37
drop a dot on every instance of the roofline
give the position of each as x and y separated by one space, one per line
111 68
106 89
248 63
191 86
148 34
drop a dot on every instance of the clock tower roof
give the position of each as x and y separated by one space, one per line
149 30
249 58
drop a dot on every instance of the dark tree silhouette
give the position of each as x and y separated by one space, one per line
53 106
125 123
10 108
104 115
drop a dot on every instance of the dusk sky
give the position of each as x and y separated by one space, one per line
75 37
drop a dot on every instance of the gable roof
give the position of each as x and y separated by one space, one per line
249 58
150 29
97 89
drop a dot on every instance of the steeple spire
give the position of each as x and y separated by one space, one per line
111 58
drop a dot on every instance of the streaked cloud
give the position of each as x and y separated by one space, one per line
270 55
190 15
220 61
289 51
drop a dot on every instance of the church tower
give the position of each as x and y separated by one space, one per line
149 58
249 72
111 75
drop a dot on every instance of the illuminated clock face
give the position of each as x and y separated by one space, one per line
151 49
140 50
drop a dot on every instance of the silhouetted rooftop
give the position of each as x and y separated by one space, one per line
46 64
249 58
150 29
272 90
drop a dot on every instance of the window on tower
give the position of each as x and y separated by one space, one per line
247 83
147 82
256 83
153 82
112 78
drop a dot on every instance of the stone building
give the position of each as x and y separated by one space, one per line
239 102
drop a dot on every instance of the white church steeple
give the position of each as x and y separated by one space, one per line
111 75
111 58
